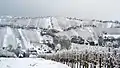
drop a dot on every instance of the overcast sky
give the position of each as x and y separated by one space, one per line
98 9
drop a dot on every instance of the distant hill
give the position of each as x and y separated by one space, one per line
20 33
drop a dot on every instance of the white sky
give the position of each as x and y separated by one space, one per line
98 9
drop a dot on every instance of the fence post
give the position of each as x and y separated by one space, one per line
100 61
58 57
83 59
107 61
80 60
87 63
66 59
111 63
72 63
95 63
77 60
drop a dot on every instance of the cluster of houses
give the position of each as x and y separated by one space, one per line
112 40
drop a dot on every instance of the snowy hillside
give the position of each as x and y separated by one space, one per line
48 37
15 30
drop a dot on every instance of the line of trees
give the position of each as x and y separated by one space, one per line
101 21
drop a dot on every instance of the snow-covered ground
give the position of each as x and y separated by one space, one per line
29 63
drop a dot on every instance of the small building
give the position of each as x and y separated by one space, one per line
111 36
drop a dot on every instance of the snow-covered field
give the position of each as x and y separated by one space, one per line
29 63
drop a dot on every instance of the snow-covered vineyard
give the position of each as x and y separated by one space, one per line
78 43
